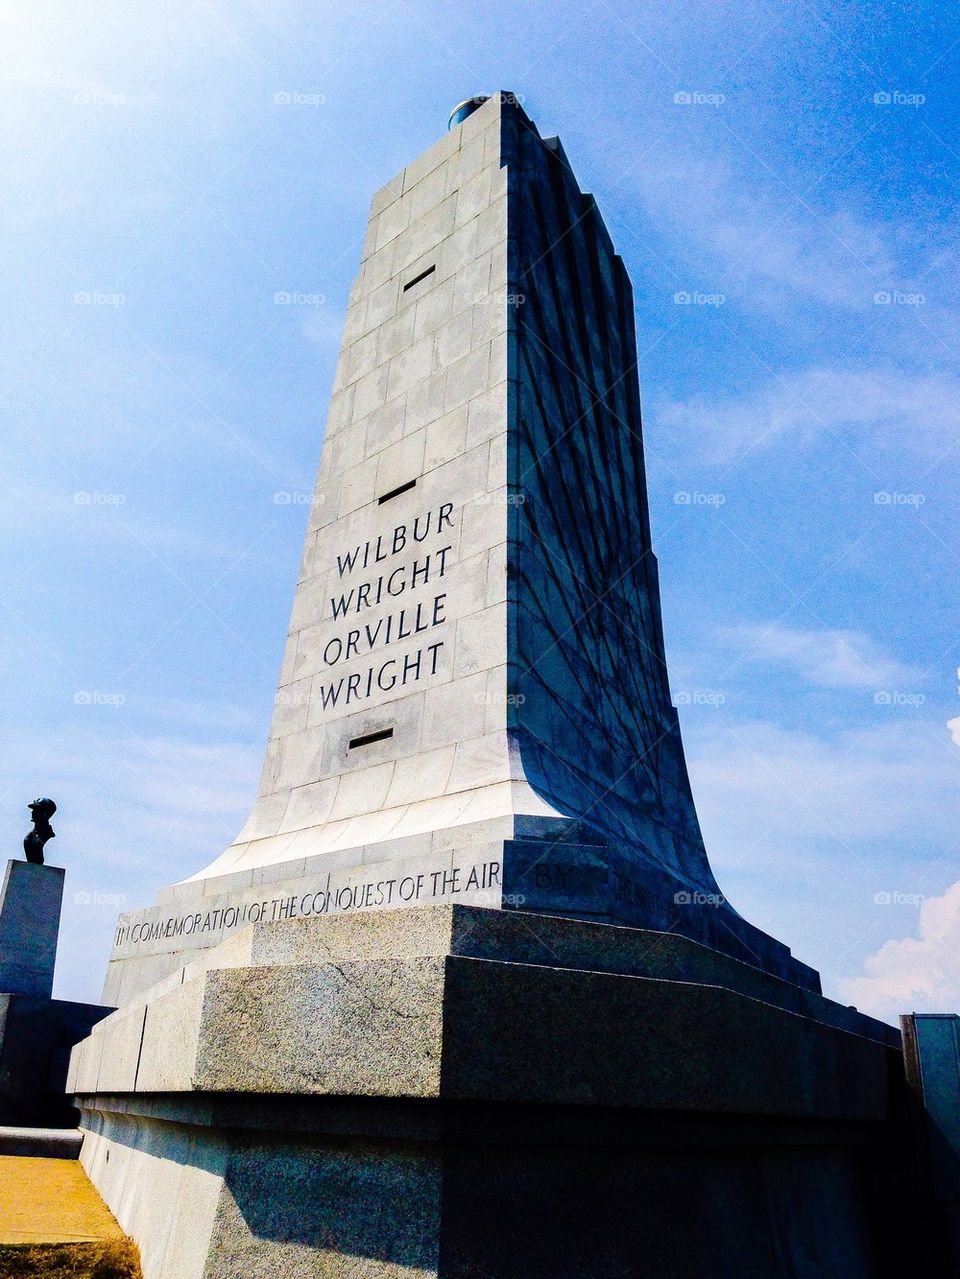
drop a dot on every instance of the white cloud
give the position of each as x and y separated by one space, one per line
914 974
920 411
805 829
827 659
832 256
954 727
757 784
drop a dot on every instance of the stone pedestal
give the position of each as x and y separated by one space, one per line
455 1091
36 1031
30 902
36 1036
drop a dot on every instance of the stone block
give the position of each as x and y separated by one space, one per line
467 377
163 1184
439 153
428 192
111 1057
373 1029
30 899
399 464
445 438
434 307
386 194
171 1036
411 366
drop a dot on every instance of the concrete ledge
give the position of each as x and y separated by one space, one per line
517 937
391 1006
41 1143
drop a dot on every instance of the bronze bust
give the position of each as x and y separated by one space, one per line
41 810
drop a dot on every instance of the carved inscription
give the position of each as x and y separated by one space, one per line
411 560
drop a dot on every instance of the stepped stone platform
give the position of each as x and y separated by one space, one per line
400 1088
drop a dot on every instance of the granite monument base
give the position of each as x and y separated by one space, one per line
457 1091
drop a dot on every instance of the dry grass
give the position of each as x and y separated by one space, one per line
111 1259
51 1201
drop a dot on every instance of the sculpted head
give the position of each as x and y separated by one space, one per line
42 810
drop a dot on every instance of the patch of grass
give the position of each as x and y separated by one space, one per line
112 1259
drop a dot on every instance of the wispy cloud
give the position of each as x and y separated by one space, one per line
755 231
759 783
920 411
821 838
826 659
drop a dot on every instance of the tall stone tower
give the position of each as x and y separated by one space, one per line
390 1032
474 702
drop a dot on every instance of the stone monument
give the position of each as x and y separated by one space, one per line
36 1030
463 998
474 704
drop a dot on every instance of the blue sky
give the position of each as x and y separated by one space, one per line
789 169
